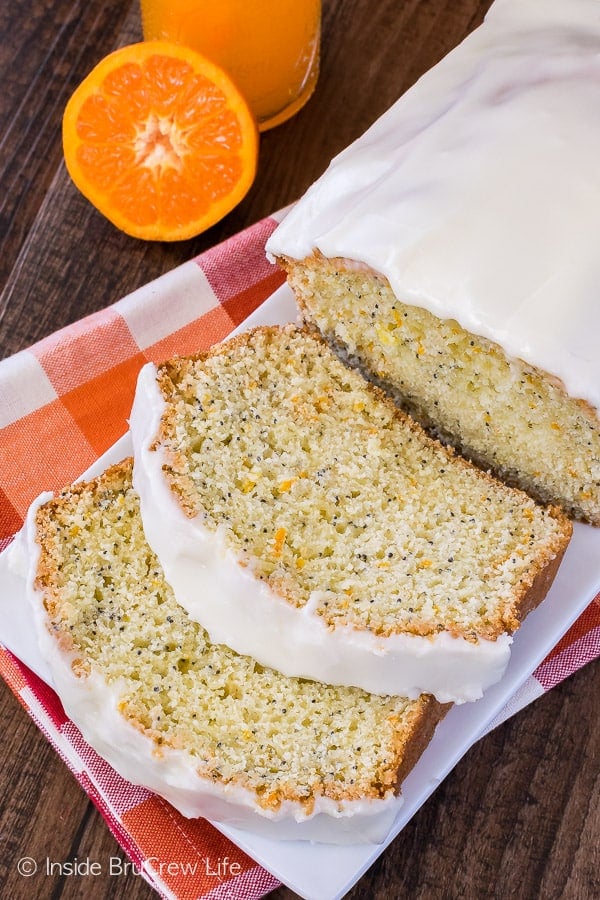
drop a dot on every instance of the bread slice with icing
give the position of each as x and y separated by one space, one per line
305 521
215 733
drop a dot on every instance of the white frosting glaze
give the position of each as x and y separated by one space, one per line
478 193
92 705
240 610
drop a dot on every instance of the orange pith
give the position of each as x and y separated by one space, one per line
160 140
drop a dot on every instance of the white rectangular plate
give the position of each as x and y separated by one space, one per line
325 871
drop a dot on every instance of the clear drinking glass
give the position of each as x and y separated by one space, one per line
269 47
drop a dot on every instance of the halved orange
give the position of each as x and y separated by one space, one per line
160 140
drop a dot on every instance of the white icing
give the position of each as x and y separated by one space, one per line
478 193
240 610
92 705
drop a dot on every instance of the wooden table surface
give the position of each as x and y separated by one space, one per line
520 815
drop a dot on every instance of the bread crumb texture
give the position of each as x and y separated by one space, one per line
282 738
500 412
334 497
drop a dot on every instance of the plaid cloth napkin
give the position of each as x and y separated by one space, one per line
63 402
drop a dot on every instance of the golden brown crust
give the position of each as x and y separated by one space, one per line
409 748
541 581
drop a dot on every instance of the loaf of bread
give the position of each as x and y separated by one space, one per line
451 252
215 733
304 520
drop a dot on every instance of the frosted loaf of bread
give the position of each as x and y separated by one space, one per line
452 251
304 520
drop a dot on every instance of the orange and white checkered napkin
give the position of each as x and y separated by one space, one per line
63 402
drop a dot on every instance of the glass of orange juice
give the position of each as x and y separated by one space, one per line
269 47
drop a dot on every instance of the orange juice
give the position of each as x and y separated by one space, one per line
269 47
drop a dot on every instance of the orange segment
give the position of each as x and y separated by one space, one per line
160 140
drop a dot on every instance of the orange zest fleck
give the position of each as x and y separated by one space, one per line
160 140
279 541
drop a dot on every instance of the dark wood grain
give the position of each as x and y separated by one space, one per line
520 815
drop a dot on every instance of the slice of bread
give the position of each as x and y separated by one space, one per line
500 412
215 733
304 520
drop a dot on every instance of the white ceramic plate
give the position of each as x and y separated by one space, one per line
325 871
